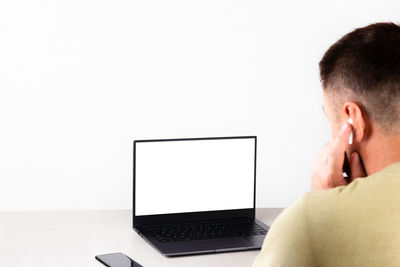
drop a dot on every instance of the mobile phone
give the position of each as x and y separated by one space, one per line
346 164
346 168
117 260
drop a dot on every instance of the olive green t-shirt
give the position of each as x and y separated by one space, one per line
353 225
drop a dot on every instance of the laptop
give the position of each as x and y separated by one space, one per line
196 195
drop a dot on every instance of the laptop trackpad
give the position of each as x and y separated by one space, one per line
222 244
205 246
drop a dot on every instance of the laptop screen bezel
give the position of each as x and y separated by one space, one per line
193 216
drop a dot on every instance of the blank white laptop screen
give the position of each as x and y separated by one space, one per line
194 175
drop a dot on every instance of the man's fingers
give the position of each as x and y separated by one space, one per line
357 169
339 146
342 140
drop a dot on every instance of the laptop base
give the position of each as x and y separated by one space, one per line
207 246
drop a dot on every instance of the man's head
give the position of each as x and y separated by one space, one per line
360 75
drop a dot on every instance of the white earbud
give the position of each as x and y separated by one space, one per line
351 134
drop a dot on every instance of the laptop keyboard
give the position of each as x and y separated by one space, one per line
198 231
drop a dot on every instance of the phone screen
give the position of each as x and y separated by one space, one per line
117 260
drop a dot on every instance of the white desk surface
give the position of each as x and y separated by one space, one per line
73 238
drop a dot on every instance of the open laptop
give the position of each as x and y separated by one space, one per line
196 195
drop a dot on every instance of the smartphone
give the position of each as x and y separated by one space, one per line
117 260
346 168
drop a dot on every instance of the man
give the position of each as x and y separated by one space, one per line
353 222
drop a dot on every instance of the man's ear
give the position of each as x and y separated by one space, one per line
355 112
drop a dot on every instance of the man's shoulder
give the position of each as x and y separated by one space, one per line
315 207
332 213
324 204
288 235
344 198
340 201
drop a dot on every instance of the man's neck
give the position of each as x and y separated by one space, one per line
380 152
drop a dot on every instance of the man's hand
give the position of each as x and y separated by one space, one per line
326 171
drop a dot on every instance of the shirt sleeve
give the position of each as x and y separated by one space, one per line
289 242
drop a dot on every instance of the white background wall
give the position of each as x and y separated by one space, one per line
81 79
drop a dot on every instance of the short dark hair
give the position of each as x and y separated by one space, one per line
365 64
